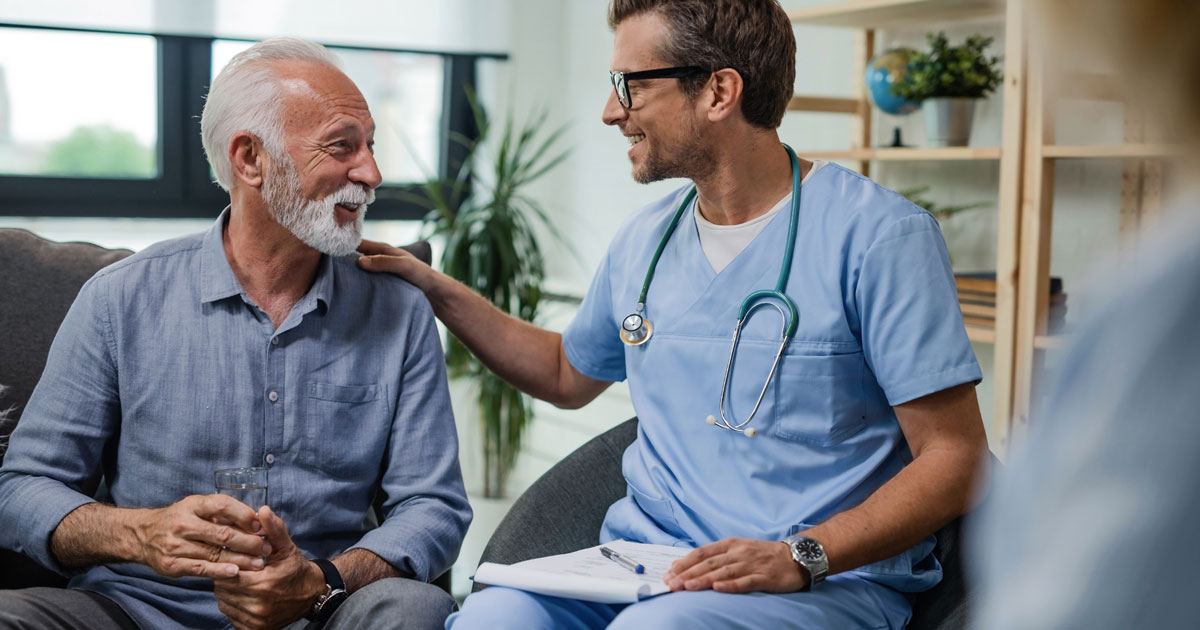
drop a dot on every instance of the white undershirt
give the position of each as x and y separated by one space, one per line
722 243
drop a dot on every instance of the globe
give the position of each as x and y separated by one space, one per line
883 70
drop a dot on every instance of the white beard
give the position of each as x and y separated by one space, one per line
312 221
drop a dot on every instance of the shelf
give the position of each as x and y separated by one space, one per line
884 13
1129 150
916 154
980 334
1049 342
828 104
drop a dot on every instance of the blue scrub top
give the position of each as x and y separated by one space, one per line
879 325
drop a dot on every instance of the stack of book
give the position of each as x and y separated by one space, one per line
977 298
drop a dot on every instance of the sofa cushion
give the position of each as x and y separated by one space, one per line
39 280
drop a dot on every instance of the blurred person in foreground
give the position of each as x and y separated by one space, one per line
1093 523
256 343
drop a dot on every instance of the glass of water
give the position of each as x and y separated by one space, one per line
248 485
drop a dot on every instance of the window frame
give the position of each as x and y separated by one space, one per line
183 187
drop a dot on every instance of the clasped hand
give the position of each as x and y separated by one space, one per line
737 565
260 578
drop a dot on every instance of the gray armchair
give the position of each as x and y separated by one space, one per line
581 487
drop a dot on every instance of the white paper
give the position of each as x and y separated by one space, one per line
587 575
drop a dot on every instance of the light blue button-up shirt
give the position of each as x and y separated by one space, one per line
164 370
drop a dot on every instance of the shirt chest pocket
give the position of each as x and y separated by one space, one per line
820 399
346 428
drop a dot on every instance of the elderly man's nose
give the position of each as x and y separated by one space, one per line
366 172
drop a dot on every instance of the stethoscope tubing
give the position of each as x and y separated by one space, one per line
791 318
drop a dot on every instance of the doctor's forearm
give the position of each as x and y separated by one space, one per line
528 357
928 493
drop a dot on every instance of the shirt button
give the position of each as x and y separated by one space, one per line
270 458
273 396
274 341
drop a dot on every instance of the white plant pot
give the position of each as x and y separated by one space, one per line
948 121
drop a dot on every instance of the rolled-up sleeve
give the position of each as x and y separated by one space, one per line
53 460
425 508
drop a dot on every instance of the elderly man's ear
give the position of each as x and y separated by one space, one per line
248 158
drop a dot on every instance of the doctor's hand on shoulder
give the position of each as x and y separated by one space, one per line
381 257
737 565
281 592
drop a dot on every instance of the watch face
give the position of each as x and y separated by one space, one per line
810 550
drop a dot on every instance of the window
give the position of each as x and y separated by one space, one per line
69 115
106 124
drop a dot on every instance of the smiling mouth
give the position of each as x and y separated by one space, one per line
349 207
635 138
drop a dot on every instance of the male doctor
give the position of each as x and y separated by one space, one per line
867 438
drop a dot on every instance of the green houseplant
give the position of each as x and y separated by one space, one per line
488 220
947 81
916 194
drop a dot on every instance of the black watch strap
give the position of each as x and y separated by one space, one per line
334 595
333 579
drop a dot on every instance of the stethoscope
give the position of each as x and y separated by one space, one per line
636 329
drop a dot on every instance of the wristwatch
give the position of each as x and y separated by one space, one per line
335 593
810 555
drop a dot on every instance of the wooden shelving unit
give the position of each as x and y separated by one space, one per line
868 15
1142 154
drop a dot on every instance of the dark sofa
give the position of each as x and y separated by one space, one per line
38 281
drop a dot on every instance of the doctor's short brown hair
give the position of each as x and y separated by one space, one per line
753 37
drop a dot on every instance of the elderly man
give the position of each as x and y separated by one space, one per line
815 506
257 343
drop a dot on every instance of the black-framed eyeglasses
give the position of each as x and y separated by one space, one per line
620 80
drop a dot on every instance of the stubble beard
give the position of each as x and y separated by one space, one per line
690 159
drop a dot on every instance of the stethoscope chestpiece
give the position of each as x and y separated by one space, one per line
635 330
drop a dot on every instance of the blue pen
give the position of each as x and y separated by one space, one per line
628 563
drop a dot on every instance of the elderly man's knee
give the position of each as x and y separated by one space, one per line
398 602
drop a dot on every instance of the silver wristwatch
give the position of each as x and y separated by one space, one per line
810 555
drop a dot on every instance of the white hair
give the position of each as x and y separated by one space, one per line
246 96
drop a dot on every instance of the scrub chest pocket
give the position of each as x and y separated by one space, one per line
820 399
345 427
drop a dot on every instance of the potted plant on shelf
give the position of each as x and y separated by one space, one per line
488 222
947 81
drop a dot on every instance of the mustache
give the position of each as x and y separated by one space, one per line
352 193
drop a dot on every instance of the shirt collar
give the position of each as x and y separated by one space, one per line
217 281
